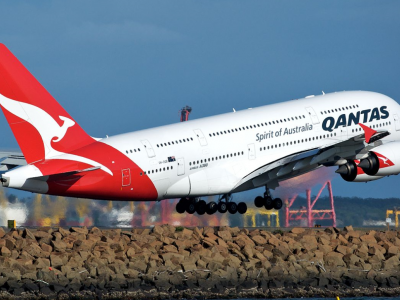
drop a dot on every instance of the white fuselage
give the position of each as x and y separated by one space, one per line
225 153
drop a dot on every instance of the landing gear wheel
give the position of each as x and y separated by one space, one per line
268 203
212 208
180 207
259 201
242 208
277 203
201 207
232 207
190 207
222 208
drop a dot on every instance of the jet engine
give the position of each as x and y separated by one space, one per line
383 160
352 172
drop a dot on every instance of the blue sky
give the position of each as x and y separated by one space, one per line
120 66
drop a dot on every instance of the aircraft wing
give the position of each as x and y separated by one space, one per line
335 153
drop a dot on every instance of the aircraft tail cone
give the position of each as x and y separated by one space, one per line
364 164
342 170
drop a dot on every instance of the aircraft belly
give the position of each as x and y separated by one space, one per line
179 189
199 184
221 180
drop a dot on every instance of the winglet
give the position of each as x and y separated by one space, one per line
369 132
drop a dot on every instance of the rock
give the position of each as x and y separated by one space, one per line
28 234
225 235
31 276
41 234
348 228
392 251
277 271
297 230
309 242
81 230
350 260
56 261
259 240
341 249
59 246
64 232
369 239
10 243
42 263
375 251
188 266
342 240
391 263
198 233
46 247
158 230
334 259
186 232
130 252
5 251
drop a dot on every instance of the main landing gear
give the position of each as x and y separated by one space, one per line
267 201
192 205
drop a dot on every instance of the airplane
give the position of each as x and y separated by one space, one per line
357 132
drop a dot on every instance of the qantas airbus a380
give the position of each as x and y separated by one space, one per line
356 132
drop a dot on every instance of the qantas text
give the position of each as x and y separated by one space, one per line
364 116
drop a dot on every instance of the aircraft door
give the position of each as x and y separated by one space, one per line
181 166
252 151
149 148
396 122
201 137
313 115
126 177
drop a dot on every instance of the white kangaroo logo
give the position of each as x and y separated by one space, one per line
384 160
47 127
63 129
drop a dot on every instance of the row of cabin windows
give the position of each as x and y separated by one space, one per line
157 170
216 158
136 150
298 141
338 109
256 125
373 126
173 143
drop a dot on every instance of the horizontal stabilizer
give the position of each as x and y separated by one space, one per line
65 174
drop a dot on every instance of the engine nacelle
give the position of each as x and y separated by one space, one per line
353 173
383 160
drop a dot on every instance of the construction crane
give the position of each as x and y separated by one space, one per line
396 214
308 213
185 112
251 214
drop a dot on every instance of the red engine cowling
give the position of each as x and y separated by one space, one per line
352 172
383 160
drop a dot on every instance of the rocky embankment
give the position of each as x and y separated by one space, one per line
169 262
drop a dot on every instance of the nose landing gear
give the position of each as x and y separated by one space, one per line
267 201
